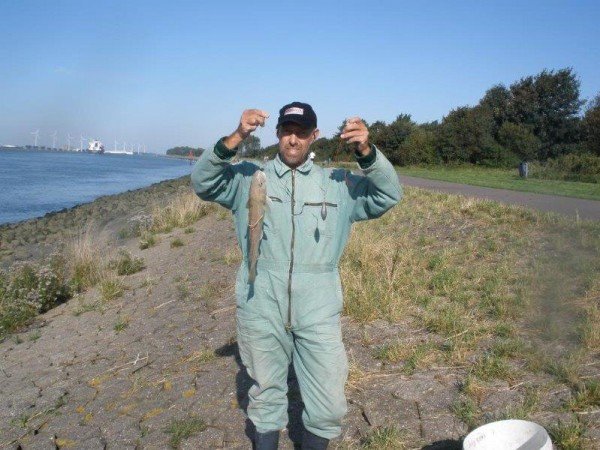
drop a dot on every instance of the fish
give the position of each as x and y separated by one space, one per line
257 201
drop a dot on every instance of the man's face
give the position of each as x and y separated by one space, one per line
294 142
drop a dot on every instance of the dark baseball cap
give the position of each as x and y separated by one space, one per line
297 112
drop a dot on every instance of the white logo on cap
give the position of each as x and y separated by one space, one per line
299 111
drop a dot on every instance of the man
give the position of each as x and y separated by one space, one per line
291 313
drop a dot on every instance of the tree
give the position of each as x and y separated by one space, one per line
185 151
591 126
419 148
497 100
465 135
549 105
250 147
519 140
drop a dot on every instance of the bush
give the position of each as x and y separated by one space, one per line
28 289
573 167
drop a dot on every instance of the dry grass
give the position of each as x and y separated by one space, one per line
503 292
84 256
183 210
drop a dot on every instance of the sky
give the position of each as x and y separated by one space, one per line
165 74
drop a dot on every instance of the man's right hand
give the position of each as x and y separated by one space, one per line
251 119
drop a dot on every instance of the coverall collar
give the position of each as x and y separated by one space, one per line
281 168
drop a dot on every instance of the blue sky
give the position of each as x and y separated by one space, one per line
181 72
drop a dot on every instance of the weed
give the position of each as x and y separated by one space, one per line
85 259
490 366
466 410
35 335
111 288
126 264
181 429
183 291
587 395
177 242
182 211
121 324
385 438
147 240
525 408
189 230
568 436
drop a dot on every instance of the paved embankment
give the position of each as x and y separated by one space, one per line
570 206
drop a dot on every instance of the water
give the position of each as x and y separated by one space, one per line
33 183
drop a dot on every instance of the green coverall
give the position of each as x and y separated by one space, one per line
292 311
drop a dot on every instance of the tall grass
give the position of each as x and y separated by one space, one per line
183 210
85 256
467 272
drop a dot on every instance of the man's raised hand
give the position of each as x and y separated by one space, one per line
251 119
356 131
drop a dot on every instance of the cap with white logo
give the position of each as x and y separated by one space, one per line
300 113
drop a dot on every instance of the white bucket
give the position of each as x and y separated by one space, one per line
508 435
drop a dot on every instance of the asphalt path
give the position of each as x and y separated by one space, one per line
569 206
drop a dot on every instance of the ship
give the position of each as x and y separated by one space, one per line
95 146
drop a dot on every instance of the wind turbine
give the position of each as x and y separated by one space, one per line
36 135
69 137
54 139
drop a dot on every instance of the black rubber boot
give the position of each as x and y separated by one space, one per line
266 441
313 442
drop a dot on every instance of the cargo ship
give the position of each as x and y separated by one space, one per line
95 146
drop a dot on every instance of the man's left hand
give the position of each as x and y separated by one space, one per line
356 131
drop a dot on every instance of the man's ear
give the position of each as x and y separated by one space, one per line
315 134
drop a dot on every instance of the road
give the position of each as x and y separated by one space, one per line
569 206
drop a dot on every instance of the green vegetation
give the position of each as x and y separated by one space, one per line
181 429
504 179
29 289
568 436
385 438
111 288
182 211
147 240
177 242
499 294
127 264
185 151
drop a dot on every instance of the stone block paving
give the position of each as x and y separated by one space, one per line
82 384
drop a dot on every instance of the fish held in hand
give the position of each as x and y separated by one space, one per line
257 200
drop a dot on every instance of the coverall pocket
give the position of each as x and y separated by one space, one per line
275 215
329 332
319 219
255 333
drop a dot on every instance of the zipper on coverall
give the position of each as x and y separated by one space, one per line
288 325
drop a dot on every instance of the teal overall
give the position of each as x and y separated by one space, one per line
292 311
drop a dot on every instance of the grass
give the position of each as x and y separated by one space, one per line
147 240
496 293
385 438
126 264
182 211
177 242
110 289
181 429
503 179
121 324
85 259
568 436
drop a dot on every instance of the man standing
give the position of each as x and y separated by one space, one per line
291 313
